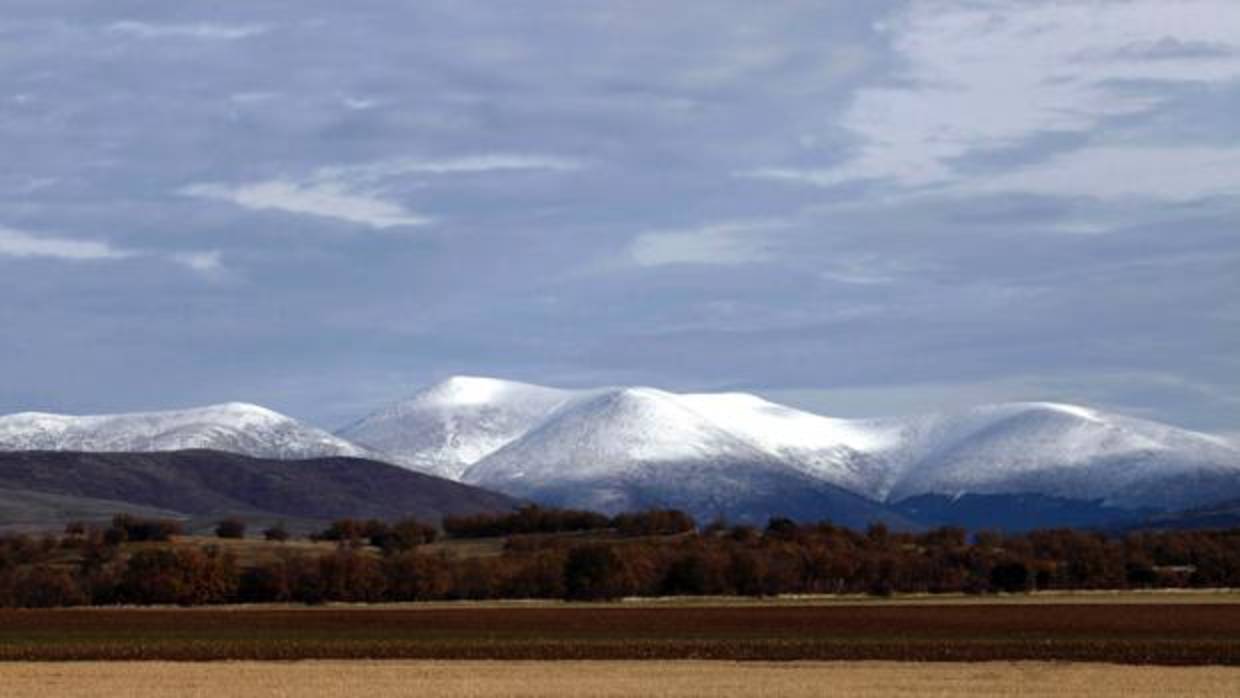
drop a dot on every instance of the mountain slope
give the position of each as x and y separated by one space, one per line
207 485
234 427
834 450
637 448
1060 451
602 447
452 425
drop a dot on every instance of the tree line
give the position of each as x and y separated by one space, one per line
543 555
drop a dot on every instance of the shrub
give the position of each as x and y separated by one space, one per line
230 528
593 573
44 586
403 535
1010 577
527 519
184 576
128 527
656 522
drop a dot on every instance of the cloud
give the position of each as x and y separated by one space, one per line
198 30
473 164
990 76
720 243
812 176
345 192
17 243
860 271
24 245
206 262
1165 172
327 199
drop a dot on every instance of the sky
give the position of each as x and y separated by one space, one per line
858 208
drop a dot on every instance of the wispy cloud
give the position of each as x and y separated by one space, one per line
472 164
738 242
23 244
860 271
989 76
197 30
18 243
206 262
325 199
350 192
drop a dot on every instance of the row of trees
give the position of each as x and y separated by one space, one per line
534 519
782 558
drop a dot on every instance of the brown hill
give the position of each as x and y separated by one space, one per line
40 489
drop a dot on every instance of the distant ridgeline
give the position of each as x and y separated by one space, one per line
537 553
473 445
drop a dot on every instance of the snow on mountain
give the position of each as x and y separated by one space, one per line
609 443
634 448
1058 450
829 449
452 425
593 434
235 427
729 454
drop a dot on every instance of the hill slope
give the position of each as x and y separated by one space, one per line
207 485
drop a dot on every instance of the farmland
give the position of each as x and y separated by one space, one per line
610 679
1121 630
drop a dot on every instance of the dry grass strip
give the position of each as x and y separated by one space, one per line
431 679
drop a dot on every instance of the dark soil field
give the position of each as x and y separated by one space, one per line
1129 633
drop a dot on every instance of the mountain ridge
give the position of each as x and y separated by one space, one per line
1049 449
236 427
715 454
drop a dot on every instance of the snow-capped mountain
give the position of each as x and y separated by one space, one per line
613 448
1057 450
234 427
714 454
450 426
634 448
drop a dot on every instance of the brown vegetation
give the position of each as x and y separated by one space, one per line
658 553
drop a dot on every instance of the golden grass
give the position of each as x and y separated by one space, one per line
607 679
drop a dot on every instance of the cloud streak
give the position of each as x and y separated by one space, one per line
474 164
326 199
198 30
730 243
18 243
346 192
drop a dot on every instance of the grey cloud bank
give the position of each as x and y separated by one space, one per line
863 208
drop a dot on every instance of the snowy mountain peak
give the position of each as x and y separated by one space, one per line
1074 410
474 390
453 424
236 427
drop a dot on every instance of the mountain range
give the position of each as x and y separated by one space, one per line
732 455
